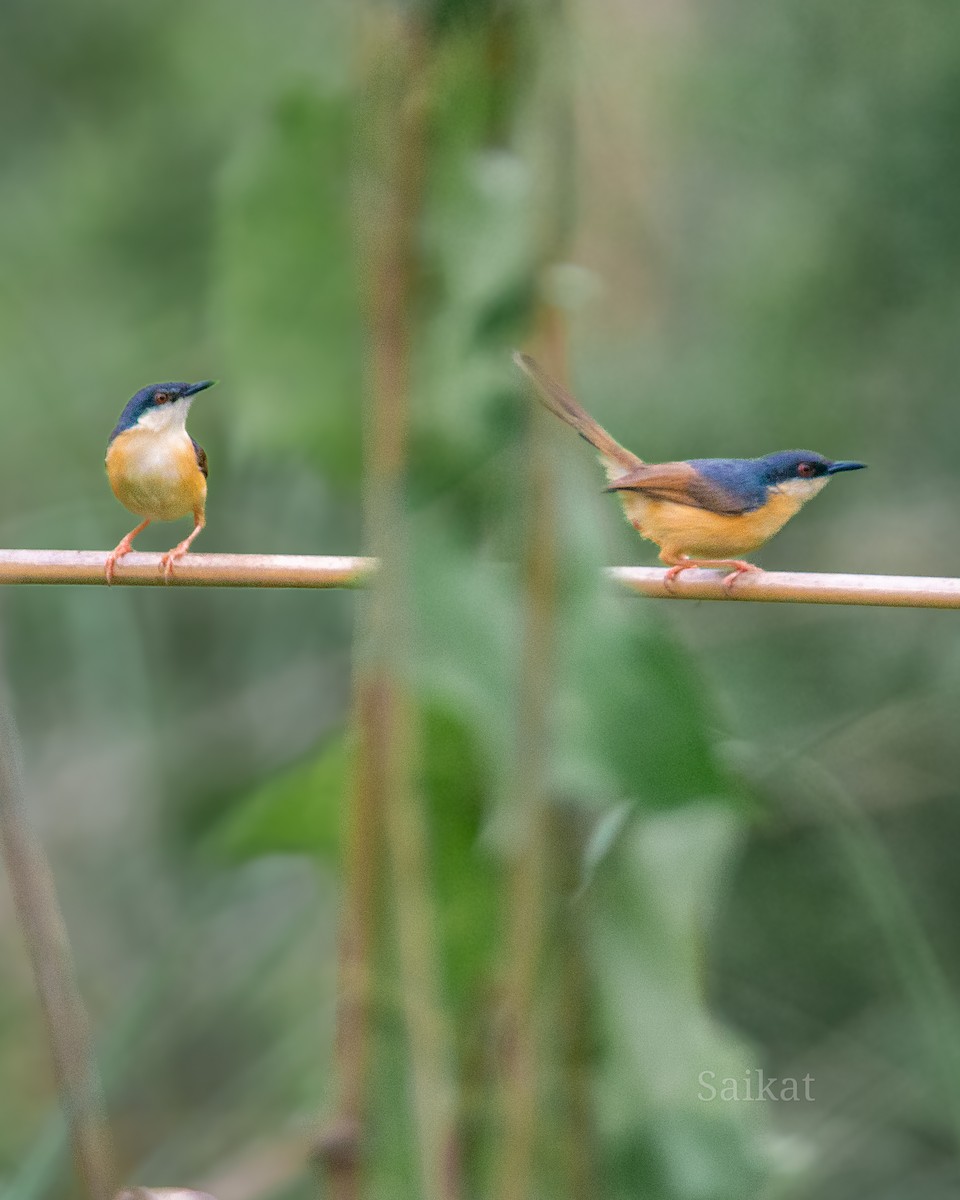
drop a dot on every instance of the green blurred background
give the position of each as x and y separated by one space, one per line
755 212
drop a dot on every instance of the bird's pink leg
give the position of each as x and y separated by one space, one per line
171 556
739 566
123 548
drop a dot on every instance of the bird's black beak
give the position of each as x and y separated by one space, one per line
197 387
836 467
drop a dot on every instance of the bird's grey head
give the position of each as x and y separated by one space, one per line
159 406
802 466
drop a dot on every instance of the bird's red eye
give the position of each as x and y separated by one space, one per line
161 397
806 470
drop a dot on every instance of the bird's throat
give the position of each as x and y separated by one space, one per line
166 418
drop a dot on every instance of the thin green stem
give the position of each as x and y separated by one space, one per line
528 901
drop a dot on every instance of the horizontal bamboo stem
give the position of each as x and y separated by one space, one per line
785 587
321 571
193 570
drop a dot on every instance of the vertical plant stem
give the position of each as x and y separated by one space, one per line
45 935
340 1143
528 902
394 301
385 803
577 1128
427 1028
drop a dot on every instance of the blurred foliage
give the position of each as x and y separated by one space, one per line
759 801
287 288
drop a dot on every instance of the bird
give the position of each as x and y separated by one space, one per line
703 512
155 468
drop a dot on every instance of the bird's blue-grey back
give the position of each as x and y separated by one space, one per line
744 480
748 480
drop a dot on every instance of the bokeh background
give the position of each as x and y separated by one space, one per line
749 217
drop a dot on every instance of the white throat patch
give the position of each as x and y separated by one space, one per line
166 418
803 489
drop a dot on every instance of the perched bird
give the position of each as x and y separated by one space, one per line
155 467
706 512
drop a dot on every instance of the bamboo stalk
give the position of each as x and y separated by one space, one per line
194 570
789 587
386 814
45 935
352 571
394 300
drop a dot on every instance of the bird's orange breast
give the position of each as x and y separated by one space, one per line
682 529
155 474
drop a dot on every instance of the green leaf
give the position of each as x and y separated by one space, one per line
456 790
296 812
630 714
286 299
647 922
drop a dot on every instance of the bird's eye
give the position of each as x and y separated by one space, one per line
161 397
806 470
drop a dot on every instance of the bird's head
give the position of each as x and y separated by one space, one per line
160 406
802 471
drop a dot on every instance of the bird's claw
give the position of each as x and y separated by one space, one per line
167 561
113 558
739 568
671 575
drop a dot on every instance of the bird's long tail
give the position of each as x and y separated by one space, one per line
616 458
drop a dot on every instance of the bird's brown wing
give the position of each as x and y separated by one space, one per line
201 457
680 483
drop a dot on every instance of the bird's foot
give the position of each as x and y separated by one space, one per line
172 556
673 572
114 557
123 547
739 566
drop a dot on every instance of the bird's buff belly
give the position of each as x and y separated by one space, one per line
155 476
682 530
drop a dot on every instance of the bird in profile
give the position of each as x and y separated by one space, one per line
155 467
706 512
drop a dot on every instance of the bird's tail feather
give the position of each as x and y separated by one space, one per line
616 458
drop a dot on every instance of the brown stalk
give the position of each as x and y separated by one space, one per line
385 808
578 1138
48 948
